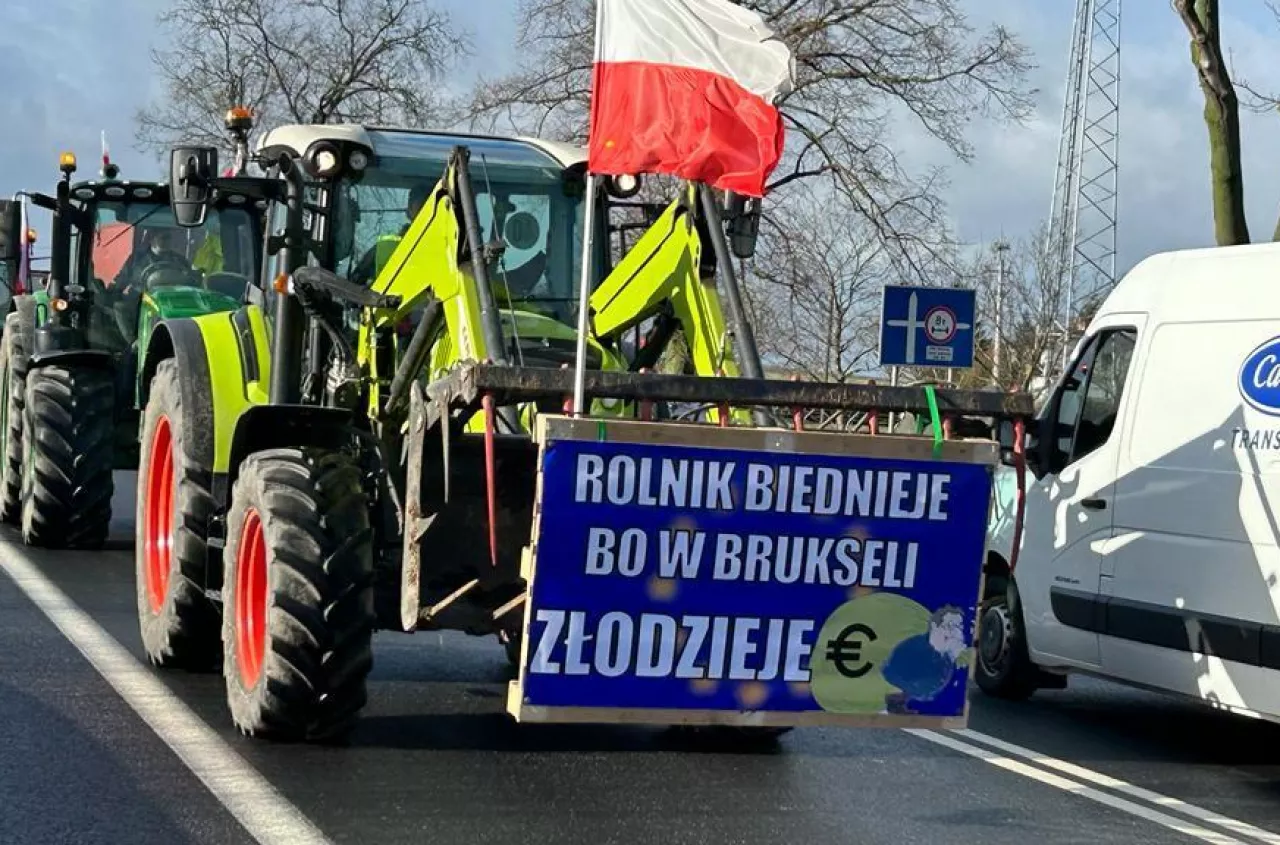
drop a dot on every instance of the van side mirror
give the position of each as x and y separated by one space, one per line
191 170
742 224
1030 445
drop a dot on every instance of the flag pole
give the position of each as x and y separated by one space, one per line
584 298
588 236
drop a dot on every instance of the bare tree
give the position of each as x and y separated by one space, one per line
1222 118
306 61
815 294
862 68
1031 306
1023 316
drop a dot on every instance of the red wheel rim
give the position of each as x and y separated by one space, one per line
251 599
157 530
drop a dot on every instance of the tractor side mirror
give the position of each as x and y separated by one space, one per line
191 170
10 230
10 246
742 222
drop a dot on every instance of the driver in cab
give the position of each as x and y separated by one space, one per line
370 264
157 247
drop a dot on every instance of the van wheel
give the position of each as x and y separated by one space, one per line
1003 668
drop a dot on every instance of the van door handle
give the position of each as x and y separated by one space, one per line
1094 504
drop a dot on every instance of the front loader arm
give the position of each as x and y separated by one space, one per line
426 264
662 268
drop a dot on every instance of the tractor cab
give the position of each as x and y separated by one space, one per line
369 189
371 183
140 266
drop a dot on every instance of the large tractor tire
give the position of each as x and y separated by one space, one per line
13 398
180 625
298 612
68 429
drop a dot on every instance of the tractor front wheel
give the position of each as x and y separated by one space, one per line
298 611
13 398
179 623
68 434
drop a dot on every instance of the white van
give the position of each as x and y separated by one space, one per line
1151 546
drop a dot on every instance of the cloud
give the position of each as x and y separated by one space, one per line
1164 188
72 70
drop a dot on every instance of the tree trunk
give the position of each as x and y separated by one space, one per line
1221 117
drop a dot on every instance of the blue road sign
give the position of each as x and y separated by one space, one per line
682 578
927 327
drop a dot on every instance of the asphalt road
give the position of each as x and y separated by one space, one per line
434 758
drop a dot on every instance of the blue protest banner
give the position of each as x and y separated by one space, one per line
685 578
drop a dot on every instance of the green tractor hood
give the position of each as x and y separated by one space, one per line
180 301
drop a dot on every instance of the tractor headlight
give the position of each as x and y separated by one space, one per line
358 160
322 160
624 186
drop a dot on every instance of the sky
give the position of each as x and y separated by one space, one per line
52 104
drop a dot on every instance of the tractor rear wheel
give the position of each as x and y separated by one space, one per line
298 611
180 625
68 434
13 398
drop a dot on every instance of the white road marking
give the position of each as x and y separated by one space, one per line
1150 814
250 798
1163 801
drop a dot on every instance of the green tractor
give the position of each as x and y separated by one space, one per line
355 447
70 398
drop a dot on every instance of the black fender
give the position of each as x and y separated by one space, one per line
181 339
263 427
96 358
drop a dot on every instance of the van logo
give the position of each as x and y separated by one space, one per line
1260 378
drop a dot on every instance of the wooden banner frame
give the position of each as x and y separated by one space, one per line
553 428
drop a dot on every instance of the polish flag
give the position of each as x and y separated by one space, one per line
687 88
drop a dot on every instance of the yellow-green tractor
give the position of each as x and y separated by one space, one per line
351 451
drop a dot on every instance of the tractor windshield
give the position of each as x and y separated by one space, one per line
521 196
138 247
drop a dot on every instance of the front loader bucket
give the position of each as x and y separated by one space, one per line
468 544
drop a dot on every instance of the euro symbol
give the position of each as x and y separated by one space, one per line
843 650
